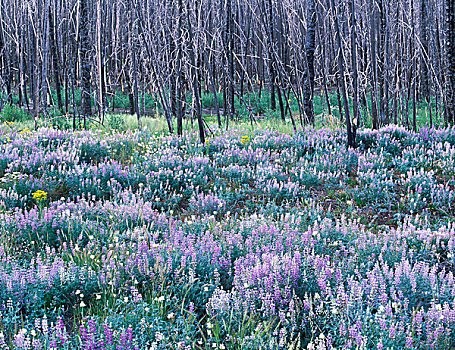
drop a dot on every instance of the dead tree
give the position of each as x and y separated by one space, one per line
355 85
374 66
310 48
351 131
133 48
55 58
86 104
450 53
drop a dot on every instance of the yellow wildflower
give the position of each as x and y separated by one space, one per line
39 195
245 140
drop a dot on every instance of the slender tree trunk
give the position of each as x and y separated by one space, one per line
382 58
271 54
86 103
99 60
3 61
374 65
355 97
45 59
385 101
230 53
425 85
310 47
413 77
450 53
195 81
55 60
323 72
33 66
212 75
350 130
133 49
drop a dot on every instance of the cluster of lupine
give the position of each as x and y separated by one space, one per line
265 240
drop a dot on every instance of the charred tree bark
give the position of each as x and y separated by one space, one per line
413 77
310 48
230 54
86 104
424 84
374 67
45 59
355 85
350 130
99 60
194 80
382 69
271 54
55 60
179 81
33 66
450 53
133 48
3 62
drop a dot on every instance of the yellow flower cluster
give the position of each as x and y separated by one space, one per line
39 195
245 140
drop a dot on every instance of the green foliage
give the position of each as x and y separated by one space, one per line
208 100
251 103
12 113
115 122
59 121
93 152
122 150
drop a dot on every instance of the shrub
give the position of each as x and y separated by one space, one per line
115 122
11 113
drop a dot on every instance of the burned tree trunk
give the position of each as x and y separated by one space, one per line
350 130
230 57
86 108
179 76
194 80
99 60
355 87
133 59
450 52
424 82
374 67
272 71
310 47
55 60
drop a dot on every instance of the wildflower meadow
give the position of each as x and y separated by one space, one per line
251 240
